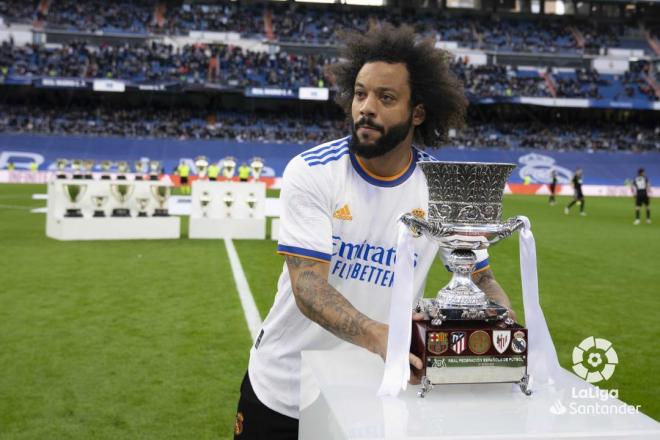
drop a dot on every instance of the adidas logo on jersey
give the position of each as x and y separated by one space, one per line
343 213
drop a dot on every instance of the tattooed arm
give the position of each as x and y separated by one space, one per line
323 304
485 280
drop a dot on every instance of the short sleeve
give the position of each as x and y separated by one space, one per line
306 219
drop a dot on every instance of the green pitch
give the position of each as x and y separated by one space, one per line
146 339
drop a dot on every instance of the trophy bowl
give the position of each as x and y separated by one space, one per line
74 193
121 192
229 167
462 327
161 193
99 201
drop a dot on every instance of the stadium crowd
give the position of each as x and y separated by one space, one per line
315 25
184 123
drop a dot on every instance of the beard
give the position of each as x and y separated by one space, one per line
387 141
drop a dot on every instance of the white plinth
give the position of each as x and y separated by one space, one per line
275 229
338 401
113 228
201 227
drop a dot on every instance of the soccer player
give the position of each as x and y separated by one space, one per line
553 188
338 231
641 186
578 197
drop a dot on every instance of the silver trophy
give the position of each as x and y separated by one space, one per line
122 192
229 201
142 203
61 166
105 169
228 167
99 201
202 165
76 166
154 169
252 203
88 166
74 192
257 165
462 326
139 169
161 193
122 170
205 201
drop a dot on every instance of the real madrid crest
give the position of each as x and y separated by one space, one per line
519 344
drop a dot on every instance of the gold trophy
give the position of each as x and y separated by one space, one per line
74 193
61 165
99 201
229 167
154 169
88 165
252 203
229 200
122 193
257 165
202 165
122 169
76 165
161 193
105 169
205 201
142 206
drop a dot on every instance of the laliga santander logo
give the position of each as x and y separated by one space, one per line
594 359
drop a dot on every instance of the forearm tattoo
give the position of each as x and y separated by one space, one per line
485 280
323 304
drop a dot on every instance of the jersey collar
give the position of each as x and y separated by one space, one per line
386 182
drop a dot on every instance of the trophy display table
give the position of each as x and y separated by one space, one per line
109 228
339 401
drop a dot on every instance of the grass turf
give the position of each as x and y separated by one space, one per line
146 339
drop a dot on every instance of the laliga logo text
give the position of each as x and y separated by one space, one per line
594 360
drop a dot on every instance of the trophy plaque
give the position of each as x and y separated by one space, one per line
122 192
105 169
61 166
142 203
205 201
161 193
99 201
202 165
229 201
154 169
74 192
465 337
257 166
229 167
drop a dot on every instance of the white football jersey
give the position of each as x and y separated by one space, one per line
334 210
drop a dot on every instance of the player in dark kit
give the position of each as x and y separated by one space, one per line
553 187
578 197
641 188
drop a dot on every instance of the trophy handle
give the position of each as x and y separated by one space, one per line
419 226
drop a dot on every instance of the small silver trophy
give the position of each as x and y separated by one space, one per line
99 201
205 201
61 166
122 192
464 215
257 165
202 165
229 201
154 169
139 170
252 203
161 193
76 166
88 166
105 169
229 167
142 203
122 169
74 193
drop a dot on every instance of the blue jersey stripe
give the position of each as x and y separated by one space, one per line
328 159
324 147
326 153
386 183
303 252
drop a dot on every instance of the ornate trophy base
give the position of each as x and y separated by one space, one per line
99 213
121 212
73 212
469 351
159 212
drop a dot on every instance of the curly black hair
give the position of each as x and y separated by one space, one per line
431 82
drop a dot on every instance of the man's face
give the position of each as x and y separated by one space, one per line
381 112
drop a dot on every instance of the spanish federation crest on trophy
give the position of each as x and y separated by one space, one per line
466 338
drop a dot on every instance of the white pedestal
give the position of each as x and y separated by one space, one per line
254 228
275 229
338 401
113 228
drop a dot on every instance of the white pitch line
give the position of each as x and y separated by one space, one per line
247 301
